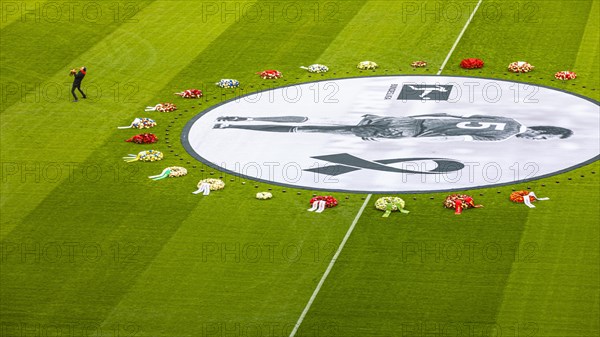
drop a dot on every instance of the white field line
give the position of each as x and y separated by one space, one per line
329 267
462 32
364 205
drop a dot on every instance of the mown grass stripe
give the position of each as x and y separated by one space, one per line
95 210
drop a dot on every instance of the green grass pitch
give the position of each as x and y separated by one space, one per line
91 247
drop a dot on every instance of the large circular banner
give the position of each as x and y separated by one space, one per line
398 134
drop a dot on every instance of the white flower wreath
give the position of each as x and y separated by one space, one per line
215 184
264 195
177 171
316 68
367 65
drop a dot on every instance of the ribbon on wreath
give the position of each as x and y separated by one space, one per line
458 207
318 206
204 188
527 199
135 122
132 157
164 174
389 207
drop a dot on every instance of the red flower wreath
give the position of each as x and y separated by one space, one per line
565 75
190 93
144 138
471 63
329 200
270 74
460 201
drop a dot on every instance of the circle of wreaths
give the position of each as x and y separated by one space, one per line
419 64
214 184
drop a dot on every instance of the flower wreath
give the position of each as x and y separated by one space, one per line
316 68
419 64
264 195
389 205
214 184
148 155
520 67
367 65
565 75
270 74
140 123
320 203
460 201
162 107
170 172
190 93
471 63
525 197
144 138
177 171
329 200
227 83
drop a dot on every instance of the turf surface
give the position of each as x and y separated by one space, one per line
90 246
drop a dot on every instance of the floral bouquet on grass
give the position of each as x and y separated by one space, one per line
329 200
228 83
565 75
316 68
210 184
264 195
148 155
270 74
190 93
320 202
144 138
389 205
525 197
419 64
520 67
170 172
367 65
460 201
140 123
162 107
471 63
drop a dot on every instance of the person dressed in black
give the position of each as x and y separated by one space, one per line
78 77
